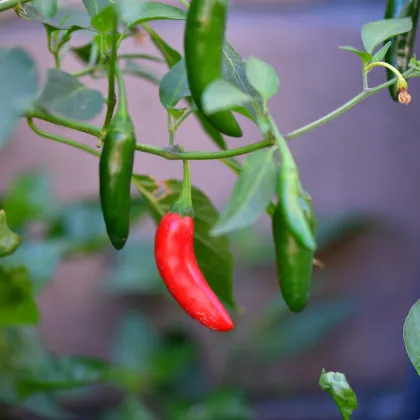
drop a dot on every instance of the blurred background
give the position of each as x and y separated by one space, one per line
362 172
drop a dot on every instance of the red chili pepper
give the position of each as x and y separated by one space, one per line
177 265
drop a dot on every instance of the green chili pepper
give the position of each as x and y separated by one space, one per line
203 43
294 262
9 240
290 194
115 171
402 47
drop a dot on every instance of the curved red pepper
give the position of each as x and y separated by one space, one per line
177 265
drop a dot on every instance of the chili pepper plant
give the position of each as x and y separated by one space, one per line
209 81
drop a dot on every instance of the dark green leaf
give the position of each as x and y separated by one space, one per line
9 240
177 113
365 56
382 52
17 306
104 20
174 85
158 11
134 270
18 87
61 373
252 192
73 19
84 53
300 332
262 77
412 335
221 95
29 199
374 33
40 258
336 385
64 94
213 253
47 8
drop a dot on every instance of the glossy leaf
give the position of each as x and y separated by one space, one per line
262 77
134 270
412 335
221 96
74 19
17 306
130 10
47 8
382 52
365 56
252 192
335 383
374 33
138 70
94 7
40 258
9 240
64 94
174 85
213 253
18 88
58 373
29 199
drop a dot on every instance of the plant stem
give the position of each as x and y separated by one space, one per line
10 4
64 122
122 95
222 154
365 78
386 65
286 155
60 139
111 100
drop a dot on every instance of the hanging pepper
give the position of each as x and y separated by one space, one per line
402 47
115 171
294 261
203 43
177 264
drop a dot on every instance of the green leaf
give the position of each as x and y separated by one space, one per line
336 385
59 373
64 94
382 52
252 192
29 199
134 344
17 306
134 270
262 77
158 11
9 240
297 334
234 72
177 113
174 85
104 20
40 258
18 87
412 335
130 10
213 253
130 409
221 95
47 8
375 33
137 70
365 56
65 18
44 406
86 53
95 6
